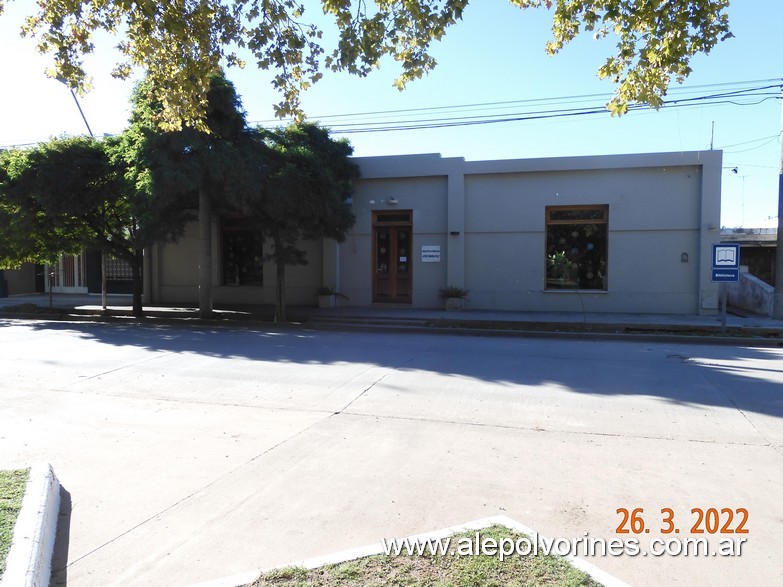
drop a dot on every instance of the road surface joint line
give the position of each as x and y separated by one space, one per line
373 384
178 400
552 431
705 375
753 425
128 366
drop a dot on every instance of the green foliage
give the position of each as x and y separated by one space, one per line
559 260
453 291
36 192
309 185
304 196
182 44
656 40
211 167
73 193
330 291
474 570
12 487
82 194
223 156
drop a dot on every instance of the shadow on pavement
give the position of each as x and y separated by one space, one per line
681 374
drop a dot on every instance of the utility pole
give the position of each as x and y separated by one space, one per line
89 130
778 301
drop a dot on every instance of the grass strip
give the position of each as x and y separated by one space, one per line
12 488
438 570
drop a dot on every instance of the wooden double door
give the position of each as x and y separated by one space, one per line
392 257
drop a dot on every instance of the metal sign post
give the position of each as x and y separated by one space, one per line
725 269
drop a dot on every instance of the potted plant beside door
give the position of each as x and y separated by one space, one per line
454 297
328 297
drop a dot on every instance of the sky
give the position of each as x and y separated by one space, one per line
492 63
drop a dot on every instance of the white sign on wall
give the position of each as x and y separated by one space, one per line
430 253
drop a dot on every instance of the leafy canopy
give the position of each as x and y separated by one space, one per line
181 43
29 231
656 40
71 193
223 157
305 195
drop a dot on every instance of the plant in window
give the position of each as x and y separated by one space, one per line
561 266
576 247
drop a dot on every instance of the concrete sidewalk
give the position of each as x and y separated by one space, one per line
402 318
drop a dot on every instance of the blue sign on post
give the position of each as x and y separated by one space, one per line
726 275
725 262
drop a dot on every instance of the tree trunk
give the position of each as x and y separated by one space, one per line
205 254
103 282
280 313
136 263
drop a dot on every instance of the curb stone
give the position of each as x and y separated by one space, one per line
29 562
564 334
751 336
374 549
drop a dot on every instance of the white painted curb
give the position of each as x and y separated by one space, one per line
29 562
373 549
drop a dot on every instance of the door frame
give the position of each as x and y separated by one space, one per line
391 219
67 275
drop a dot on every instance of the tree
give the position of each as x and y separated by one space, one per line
211 168
27 232
74 193
656 40
305 196
181 44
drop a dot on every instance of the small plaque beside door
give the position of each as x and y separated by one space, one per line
430 254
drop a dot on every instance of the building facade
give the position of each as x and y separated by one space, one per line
624 233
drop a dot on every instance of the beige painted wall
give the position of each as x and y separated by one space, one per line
174 275
20 280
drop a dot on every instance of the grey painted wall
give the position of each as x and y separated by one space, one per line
489 220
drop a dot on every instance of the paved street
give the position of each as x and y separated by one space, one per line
194 453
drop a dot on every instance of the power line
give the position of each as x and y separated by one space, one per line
756 147
745 91
770 83
416 122
447 122
730 166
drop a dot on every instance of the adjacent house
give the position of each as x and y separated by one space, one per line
757 250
